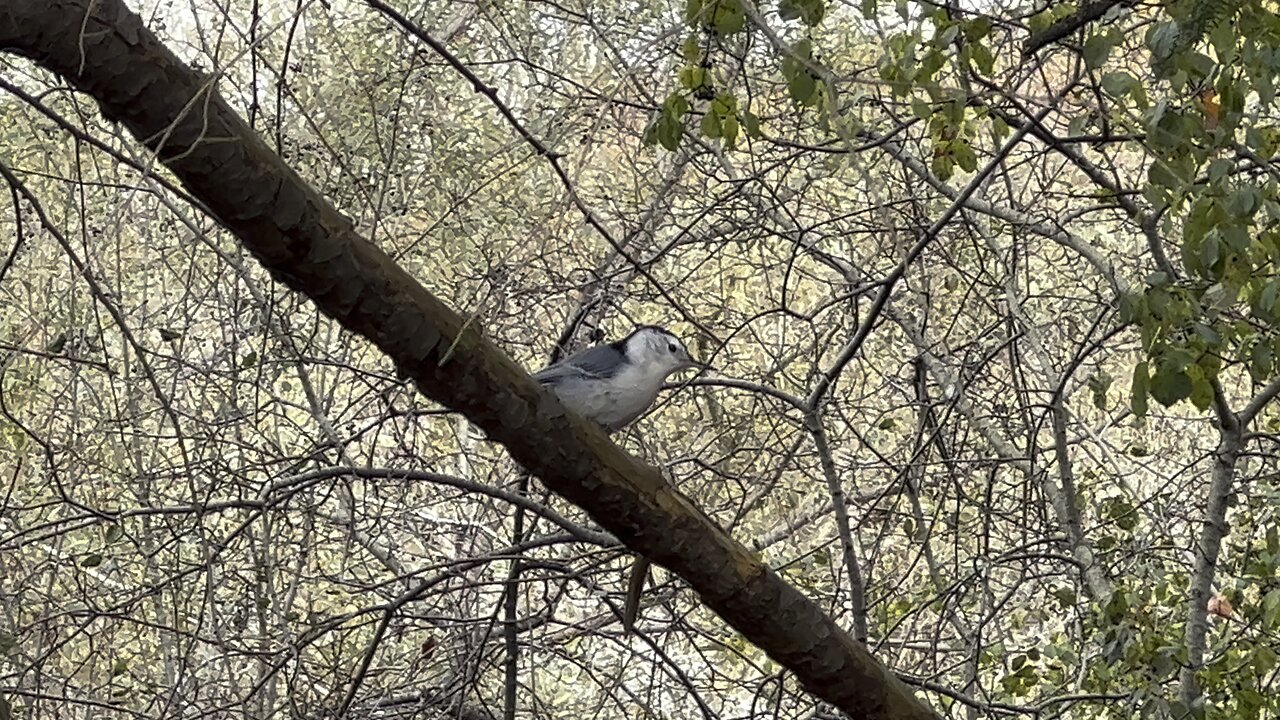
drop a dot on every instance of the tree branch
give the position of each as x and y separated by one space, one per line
1067 25
1206 562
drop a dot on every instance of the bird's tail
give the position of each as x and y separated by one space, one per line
635 586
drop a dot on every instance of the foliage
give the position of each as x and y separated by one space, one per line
189 528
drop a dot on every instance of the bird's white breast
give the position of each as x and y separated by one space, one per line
612 402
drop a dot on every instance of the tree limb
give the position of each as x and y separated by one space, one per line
1067 25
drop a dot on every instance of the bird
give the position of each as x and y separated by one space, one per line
614 384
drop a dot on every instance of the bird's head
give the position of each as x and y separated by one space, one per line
657 351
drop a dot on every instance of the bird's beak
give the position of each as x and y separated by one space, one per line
691 363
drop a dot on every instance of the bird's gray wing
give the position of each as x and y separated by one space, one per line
601 361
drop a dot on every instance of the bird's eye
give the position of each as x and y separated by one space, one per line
671 348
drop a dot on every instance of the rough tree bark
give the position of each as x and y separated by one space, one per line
104 50
1215 530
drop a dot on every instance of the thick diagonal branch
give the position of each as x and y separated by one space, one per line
1088 13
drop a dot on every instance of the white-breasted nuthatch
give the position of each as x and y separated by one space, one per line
613 385
616 383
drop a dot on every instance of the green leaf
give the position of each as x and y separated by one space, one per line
751 124
934 61
1121 512
92 560
691 50
1210 364
664 129
1162 38
1273 210
1219 169
1000 128
1216 297
1132 307
711 125
1244 201
1208 334
977 29
1118 84
1096 50
650 137
964 155
943 166
1178 359
729 130
1271 607
729 17
1267 300
1201 392
1263 140
1161 173
1117 606
693 10
113 532
675 105
1169 135
669 133
802 86
693 76
1159 301
1169 386
1261 361
1223 40
1039 21
982 57
1197 66
808 11
1231 97
1236 237
1139 389
1210 251
947 36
